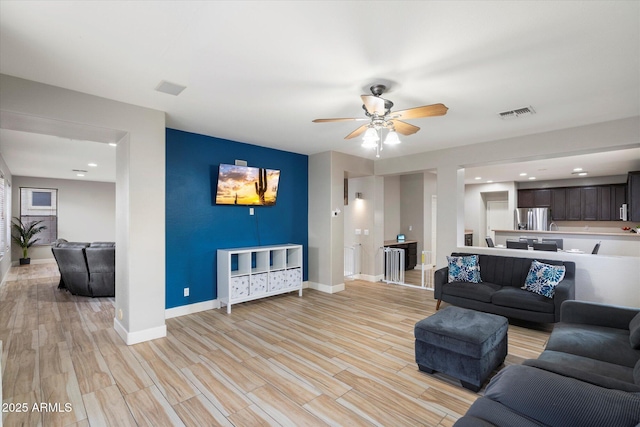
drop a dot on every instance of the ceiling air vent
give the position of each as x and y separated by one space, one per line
170 88
512 114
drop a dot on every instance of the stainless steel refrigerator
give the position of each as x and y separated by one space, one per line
532 219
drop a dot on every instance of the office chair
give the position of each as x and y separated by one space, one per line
596 248
545 246
530 240
559 242
489 241
514 244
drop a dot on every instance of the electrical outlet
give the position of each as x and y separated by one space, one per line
186 292
120 314
250 211
358 231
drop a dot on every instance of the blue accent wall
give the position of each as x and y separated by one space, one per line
196 227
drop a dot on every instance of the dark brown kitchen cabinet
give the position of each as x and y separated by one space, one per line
589 203
633 196
618 198
526 199
573 209
604 203
558 204
541 198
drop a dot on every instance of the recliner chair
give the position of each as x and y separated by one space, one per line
86 269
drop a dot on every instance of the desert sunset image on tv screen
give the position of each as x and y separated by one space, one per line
242 185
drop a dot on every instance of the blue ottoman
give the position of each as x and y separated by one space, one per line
465 344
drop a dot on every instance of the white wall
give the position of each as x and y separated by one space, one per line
430 187
140 193
391 207
599 278
86 211
5 262
412 208
359 214
475 206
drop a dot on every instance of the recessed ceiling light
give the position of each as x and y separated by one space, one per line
532 177
93 165
577 169
79 174
477 178
113 144
582 173
489 182
523 174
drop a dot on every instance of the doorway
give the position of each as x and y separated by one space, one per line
498 217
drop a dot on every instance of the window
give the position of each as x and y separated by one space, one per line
40 204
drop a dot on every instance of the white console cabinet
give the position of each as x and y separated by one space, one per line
245 274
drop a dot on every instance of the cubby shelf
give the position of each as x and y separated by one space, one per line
246 274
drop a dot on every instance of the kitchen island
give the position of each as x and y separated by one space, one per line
617 244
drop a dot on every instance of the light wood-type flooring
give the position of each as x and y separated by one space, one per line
344 359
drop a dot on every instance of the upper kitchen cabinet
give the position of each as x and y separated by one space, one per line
633 196
592 203
558 204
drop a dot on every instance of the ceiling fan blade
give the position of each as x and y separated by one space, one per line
333 120
373 104
357 132
404 127
424 111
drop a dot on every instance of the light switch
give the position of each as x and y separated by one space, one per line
250 211
366 232
358 231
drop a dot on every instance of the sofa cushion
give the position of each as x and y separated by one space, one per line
475 291
595 342
486 412
509 296
634 332
636 373
555 400
593 366
464 269
543 278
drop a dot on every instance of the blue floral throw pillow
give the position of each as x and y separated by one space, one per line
464 269
543 278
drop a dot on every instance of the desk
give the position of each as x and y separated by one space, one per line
410 251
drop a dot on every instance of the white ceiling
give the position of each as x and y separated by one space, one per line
260 72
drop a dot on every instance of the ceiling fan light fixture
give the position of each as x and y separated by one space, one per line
392 138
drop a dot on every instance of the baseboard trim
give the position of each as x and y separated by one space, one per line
35 261
131 338
197 307
329 289
369 277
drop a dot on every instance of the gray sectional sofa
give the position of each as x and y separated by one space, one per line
86 269
588 375
500 293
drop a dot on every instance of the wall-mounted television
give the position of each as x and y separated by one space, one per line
243 185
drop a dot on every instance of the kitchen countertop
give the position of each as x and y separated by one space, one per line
577 233
395 242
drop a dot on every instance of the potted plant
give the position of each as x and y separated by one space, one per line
23 234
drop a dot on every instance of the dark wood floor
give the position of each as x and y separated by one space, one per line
320 359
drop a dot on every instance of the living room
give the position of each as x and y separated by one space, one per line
162 167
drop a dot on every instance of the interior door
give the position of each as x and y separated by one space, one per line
498 217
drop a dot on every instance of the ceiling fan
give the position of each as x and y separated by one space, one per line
379 115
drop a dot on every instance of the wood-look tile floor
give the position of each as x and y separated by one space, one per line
321 359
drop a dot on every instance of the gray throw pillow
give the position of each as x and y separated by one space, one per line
634 332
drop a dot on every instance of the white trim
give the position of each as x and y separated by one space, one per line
369 277
35 261
329 289
131 338
191 308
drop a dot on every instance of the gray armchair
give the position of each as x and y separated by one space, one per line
86 269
